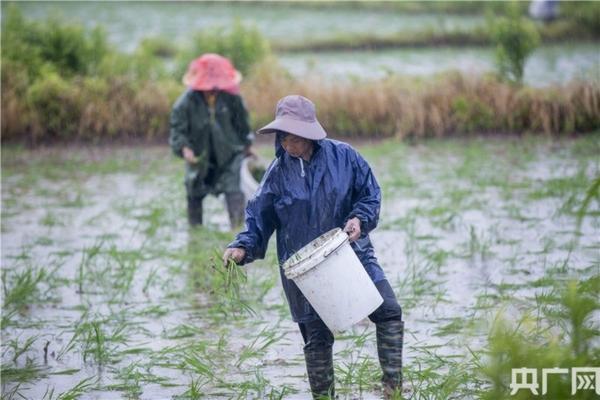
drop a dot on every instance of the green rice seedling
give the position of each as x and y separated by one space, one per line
19 350
448 221
359 340
478 246
194 392
129 381
87 255
398 178
452 328
95 342
20 288
71 371
228 280
182 331
438 257
51 220
431 376
234 276
515 211
417 284
251 388
25 284
12 393
155 310
74 393
29 371
280 392
592 193
99 344
200 364
154 217
222 343
361 373
257 348
566 337
124 269
564 187
76 202
150 279
44 241
261 287
69 345
135 351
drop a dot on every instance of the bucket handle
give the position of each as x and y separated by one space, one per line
328 253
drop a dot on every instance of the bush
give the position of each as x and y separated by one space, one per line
585 14
71 49
157 47
53 102
472 114
67 48
515 38
243 45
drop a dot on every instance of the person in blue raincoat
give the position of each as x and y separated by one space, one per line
314 185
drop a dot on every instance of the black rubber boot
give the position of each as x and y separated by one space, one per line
235 207
194 211
319 365
390 337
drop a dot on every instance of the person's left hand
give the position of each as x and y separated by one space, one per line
353 228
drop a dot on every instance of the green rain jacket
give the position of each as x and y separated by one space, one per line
218 138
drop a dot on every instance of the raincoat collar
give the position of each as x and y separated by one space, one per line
280 151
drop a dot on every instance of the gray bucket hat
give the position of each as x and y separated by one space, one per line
296 115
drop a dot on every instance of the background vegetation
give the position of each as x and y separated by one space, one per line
61 82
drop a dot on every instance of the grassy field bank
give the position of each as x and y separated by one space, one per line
59 109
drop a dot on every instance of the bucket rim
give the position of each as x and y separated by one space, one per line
314 254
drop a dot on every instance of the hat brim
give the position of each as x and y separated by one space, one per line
197 83
307 130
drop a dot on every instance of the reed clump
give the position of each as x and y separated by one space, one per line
96 110
444 105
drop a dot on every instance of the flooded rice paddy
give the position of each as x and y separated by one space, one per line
107 295
128 23
549 64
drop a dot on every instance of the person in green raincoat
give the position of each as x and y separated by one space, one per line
210 131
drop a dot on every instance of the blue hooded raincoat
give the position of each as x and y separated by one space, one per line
302 200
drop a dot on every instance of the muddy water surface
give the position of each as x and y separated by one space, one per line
107 294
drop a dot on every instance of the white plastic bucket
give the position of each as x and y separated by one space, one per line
247 182
331 277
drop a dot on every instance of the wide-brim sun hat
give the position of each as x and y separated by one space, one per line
212 72
296 114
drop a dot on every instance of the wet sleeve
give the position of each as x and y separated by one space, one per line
179 127
366 195
261 221
241 121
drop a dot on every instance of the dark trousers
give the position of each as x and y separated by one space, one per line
317 335
318 343
235 207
